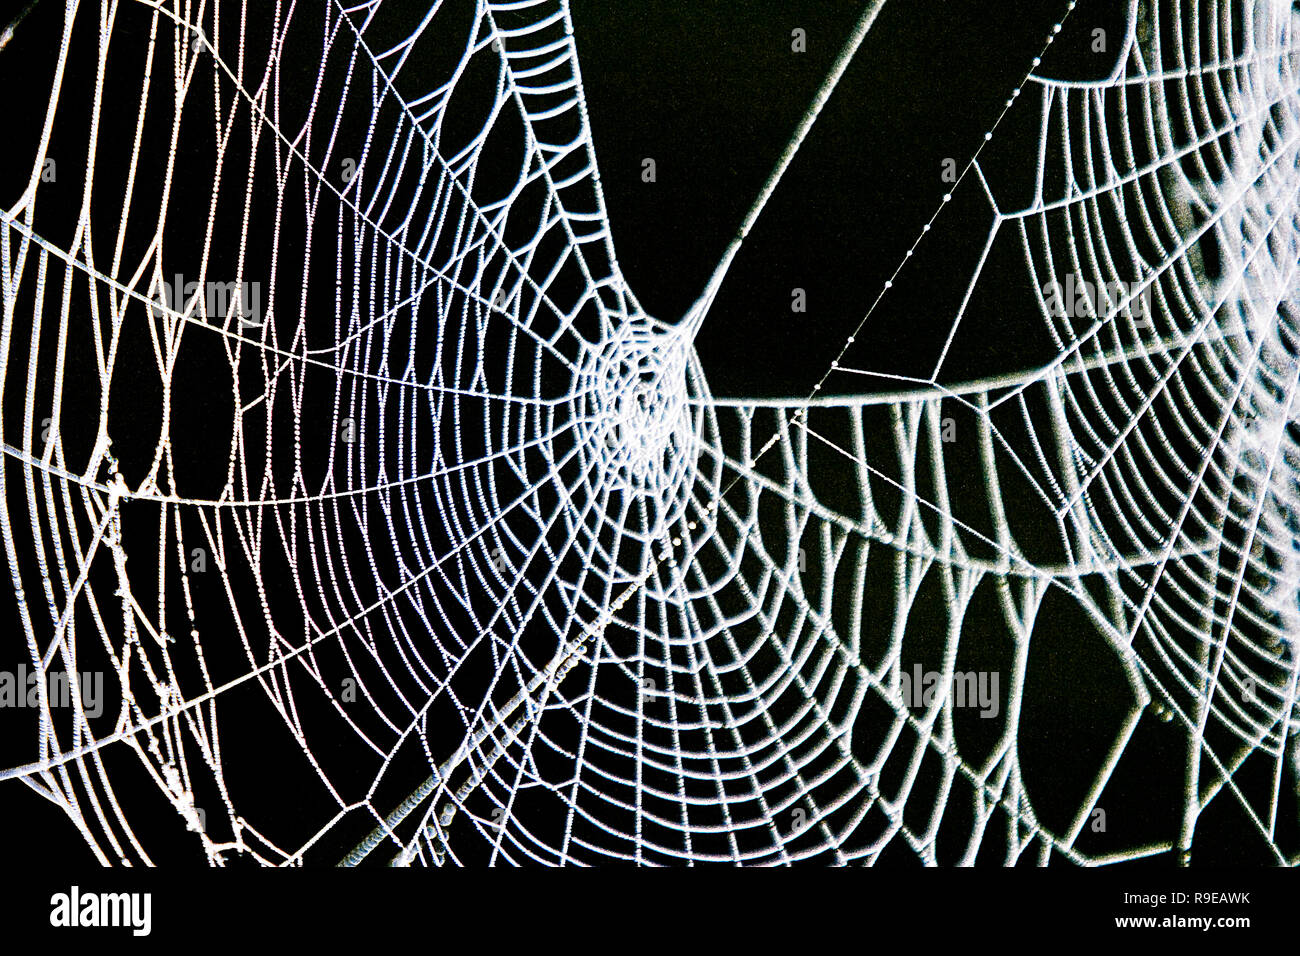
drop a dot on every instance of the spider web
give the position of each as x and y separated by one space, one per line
485 570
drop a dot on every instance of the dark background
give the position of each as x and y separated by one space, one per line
713 93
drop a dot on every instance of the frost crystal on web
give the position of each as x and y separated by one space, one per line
485 572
